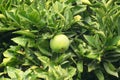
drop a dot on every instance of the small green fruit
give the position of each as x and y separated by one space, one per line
60 43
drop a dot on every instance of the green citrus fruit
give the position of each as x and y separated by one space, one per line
59 43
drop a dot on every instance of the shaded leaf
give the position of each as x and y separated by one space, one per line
78 9
92 66
99 74
90 40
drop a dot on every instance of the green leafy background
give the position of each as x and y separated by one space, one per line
26 27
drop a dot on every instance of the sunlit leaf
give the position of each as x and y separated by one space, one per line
25 32
23 41
110 69
14 73
6 29
80 66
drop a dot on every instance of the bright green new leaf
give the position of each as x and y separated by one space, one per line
14 73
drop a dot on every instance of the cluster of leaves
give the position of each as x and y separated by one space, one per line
26 27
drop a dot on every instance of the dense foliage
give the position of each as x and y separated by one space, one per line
27 26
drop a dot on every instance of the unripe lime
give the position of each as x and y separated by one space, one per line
59 43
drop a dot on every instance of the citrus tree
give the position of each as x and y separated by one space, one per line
59 39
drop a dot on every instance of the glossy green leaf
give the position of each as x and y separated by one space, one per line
110 69
25 32
93 56
6 61
14 73
99 74
14 17
68 17
57 72
80 66
27 26
90 40
79 9
63 58
24 41
112 41
71 73
34 16
92 66
6 29
45 60
44 51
